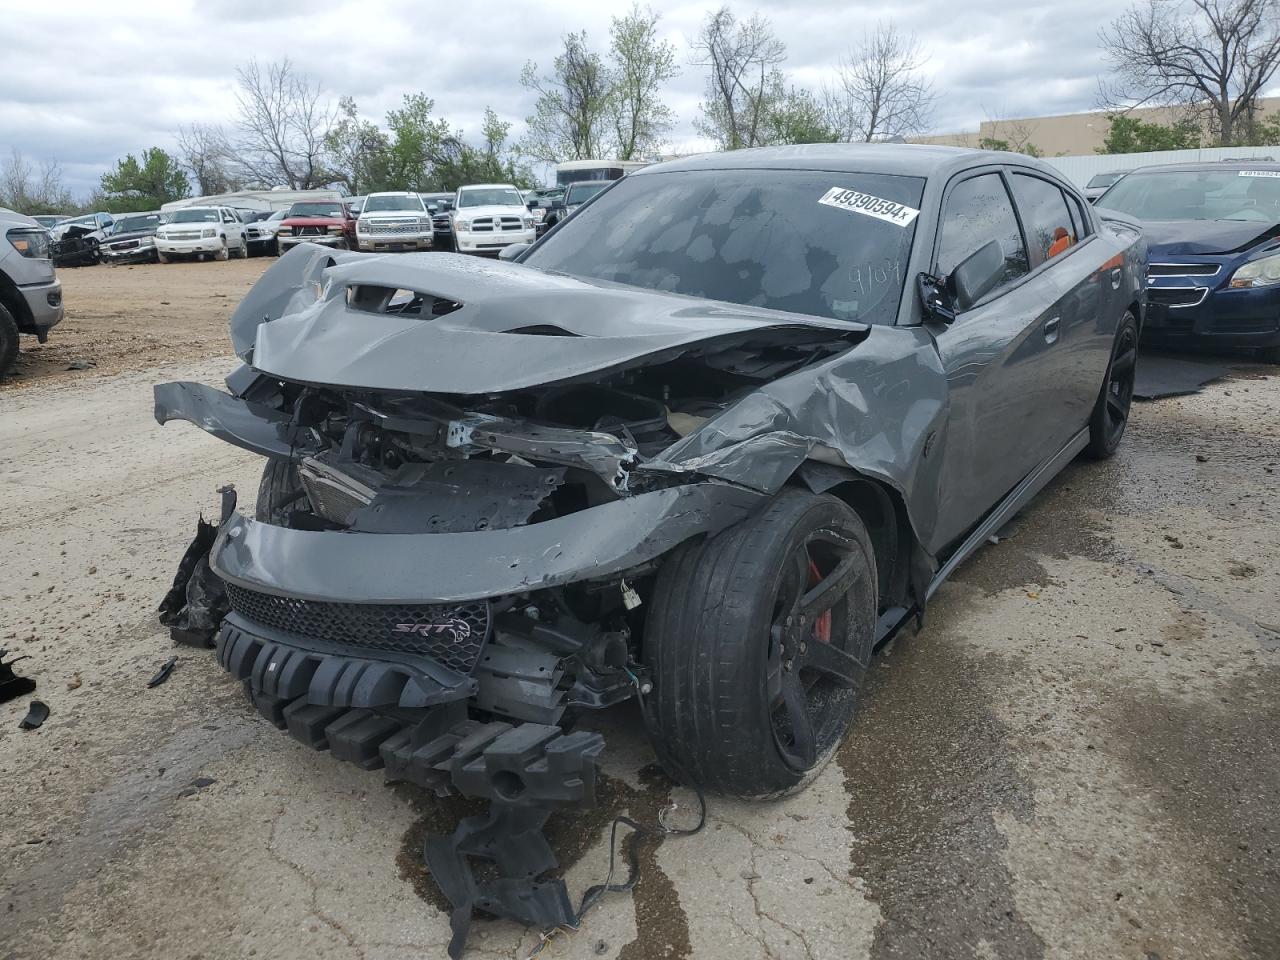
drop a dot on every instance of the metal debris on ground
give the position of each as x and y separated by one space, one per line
163 673
37 714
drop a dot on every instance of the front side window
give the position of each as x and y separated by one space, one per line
814 242
977 211
1045 216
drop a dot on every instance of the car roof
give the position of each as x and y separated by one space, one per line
391 193
902 159
487 186
1208 166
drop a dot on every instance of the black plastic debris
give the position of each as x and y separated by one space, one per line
1160 375
13 686
37 714
163 673
196 603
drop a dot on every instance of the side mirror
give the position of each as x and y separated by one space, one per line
976 275
513 251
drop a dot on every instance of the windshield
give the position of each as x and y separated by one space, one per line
194 215
47 221
490 197
330 208
1103 180
147 221
1198 195
582 192
89 221
394 202
794 241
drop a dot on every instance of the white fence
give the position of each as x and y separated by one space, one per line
1079 170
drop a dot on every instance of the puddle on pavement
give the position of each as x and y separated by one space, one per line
926 768
1212 769
661 922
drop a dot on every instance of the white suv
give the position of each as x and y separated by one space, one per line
394 221
490 216
195 231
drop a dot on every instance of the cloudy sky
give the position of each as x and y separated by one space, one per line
87 82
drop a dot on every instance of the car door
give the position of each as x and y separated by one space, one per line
232 229
999 355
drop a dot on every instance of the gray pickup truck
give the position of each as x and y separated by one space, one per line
30 292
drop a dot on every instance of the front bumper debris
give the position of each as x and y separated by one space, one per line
525 770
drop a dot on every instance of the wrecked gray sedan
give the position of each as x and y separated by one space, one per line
704 445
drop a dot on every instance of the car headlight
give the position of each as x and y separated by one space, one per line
1258 273
335 230
208 232
539 215
30 242
424 222
362 226
462 226
147 242
528 222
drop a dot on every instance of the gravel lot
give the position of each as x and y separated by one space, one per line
1078 756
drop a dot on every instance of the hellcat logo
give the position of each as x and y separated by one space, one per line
459 629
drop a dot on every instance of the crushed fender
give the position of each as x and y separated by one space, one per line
196 603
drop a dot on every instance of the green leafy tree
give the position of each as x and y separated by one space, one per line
144 185
1129 134
570 119
357 151
796 116
418 144
495 161
639 65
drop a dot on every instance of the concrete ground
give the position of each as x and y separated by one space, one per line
1078 756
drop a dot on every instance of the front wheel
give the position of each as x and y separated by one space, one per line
162 257
224 252
8 341
758 639
243 251
1111 412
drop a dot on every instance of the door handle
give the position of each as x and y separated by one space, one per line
1116 275
1051 328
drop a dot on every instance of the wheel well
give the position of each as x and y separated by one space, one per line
884 514
15 303
1136 310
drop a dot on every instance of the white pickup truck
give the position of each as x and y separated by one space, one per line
199 231
490 216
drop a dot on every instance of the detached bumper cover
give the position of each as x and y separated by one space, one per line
347 567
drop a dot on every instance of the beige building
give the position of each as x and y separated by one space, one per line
1068 135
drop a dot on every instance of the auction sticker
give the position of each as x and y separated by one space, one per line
1259 173
869 206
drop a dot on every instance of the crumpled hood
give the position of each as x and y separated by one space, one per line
516 327
1204 237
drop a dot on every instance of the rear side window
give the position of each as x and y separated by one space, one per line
1051 230
978 210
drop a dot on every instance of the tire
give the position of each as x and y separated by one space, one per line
243 251
731 672
162 257
8 341
1111 411
225 253
279 491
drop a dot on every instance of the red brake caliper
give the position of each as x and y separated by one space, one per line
821 626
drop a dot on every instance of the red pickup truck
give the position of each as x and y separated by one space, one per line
318 221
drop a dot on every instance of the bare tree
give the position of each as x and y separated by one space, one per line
28 190
1213 56
207 156
744 83
879 91
570 118
283 121
639 65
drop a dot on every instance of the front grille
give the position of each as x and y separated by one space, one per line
123 245
1177 296
451 635
310 231
492 224
394 227
185 235
1183 270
